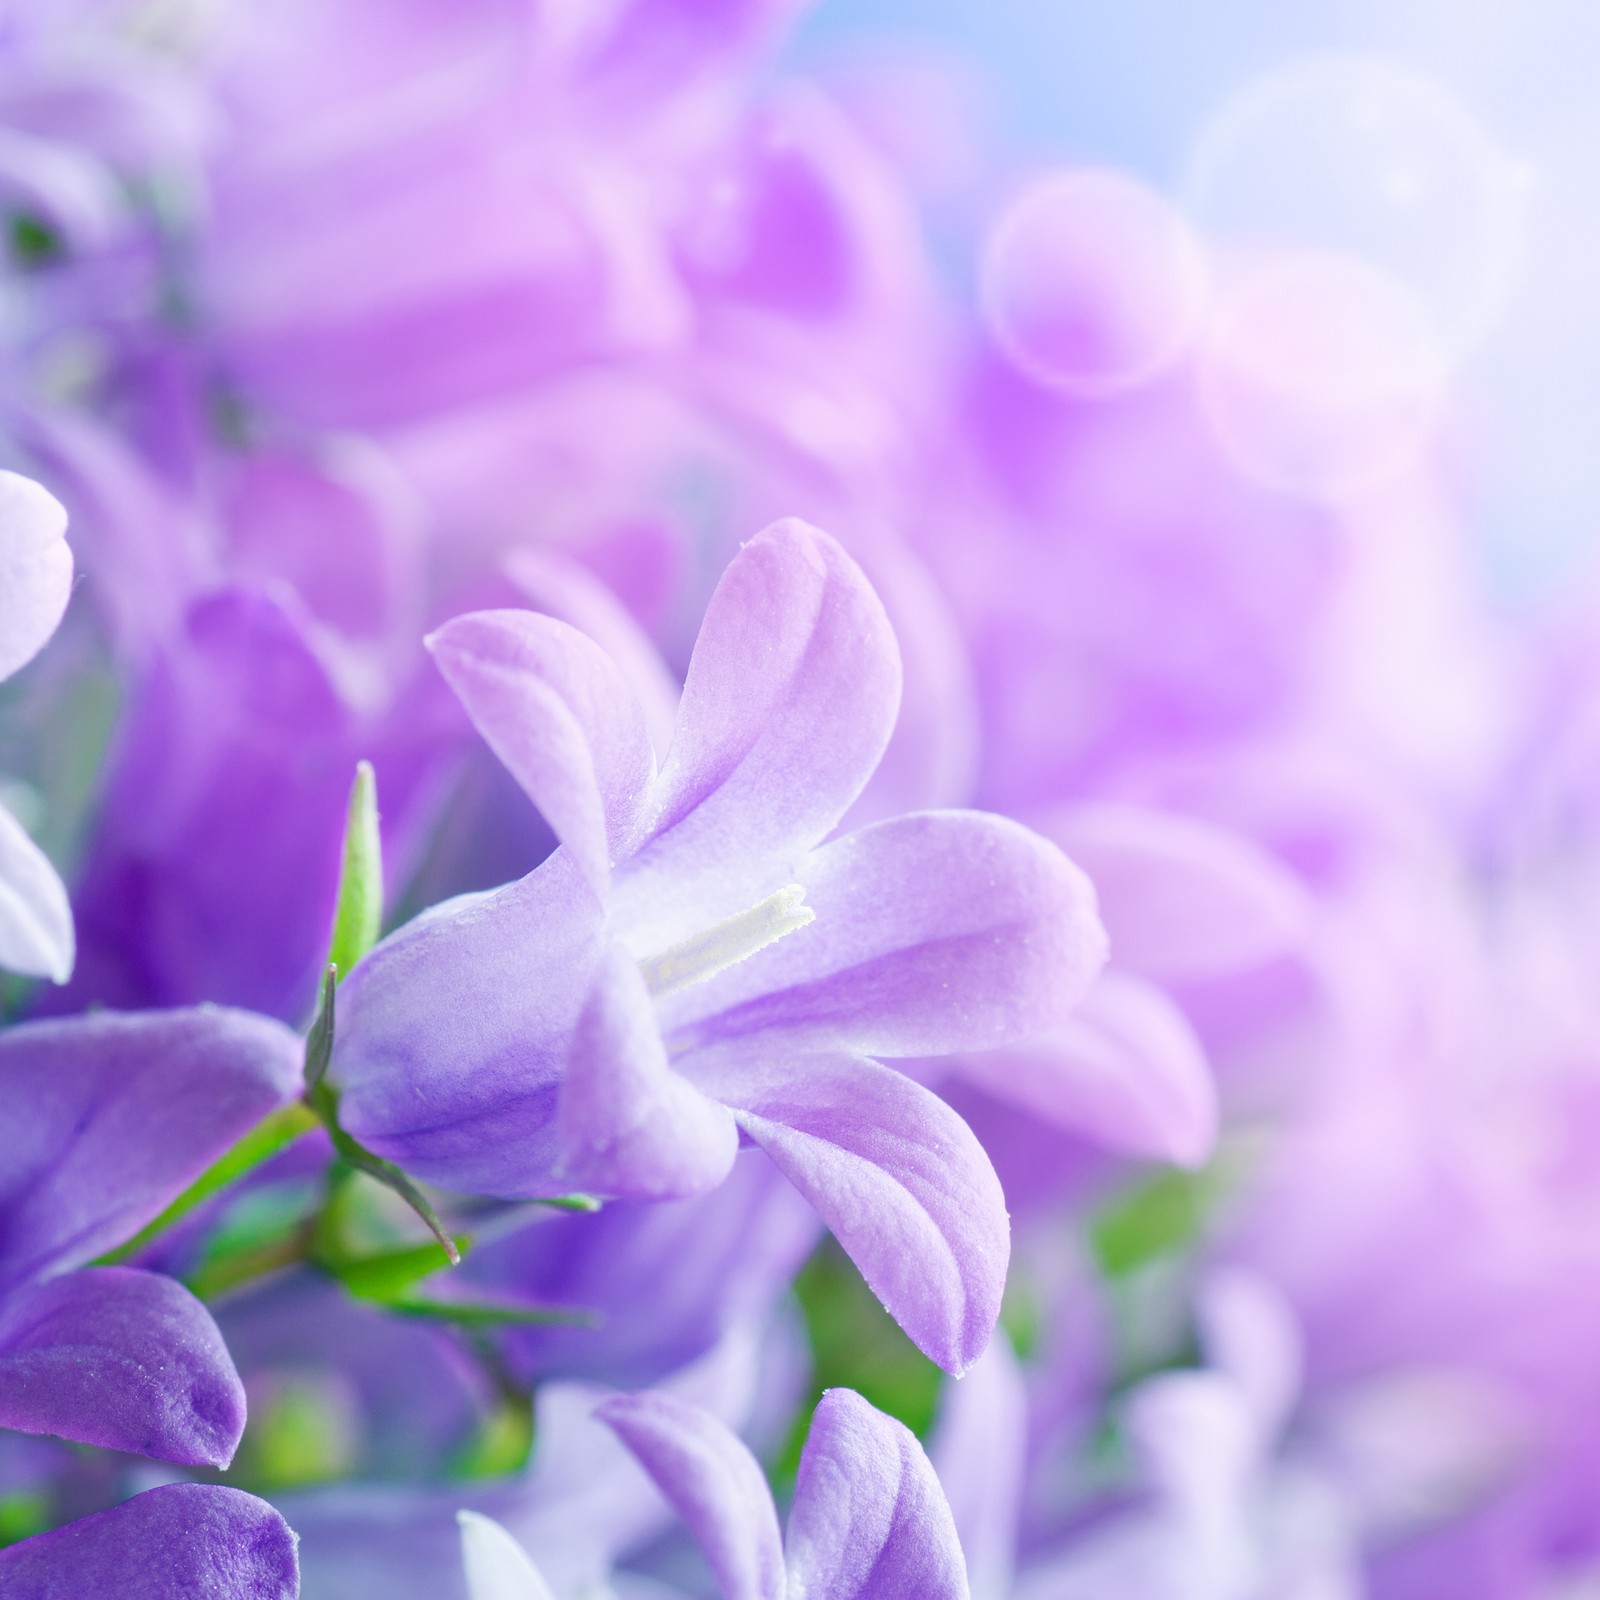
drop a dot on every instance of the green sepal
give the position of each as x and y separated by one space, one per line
322 1098
389 1275
358 914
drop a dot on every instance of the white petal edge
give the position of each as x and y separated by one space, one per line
36 936
497 1567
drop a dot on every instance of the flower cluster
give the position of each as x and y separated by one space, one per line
685 913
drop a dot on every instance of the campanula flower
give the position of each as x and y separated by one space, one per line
699 963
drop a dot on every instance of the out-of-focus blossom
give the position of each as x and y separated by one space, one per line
35 580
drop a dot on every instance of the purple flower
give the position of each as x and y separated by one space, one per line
35 581
182 1539
869 1520
105 1119
695 965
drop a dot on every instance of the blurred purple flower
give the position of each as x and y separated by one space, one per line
36 935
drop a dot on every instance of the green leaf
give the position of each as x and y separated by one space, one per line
390 1176
388 1276
34 242
263 1141
856 1344
358 918
493 1313
502 1444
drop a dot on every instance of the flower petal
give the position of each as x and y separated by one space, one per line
1125 1067
107 1117
120 1358
497 1566
630 1127
939 931
561 588
870 1521
36 936
451 1037
714 1484
35 569
180 1539
791 695
1181 898
558 712
894 1172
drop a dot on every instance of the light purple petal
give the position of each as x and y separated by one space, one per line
790 698
1249 1333
107 1117
35 569
980 1455
630 1127
939 931
1180 898
870 1521
558 712
894 1172
561 588
452 1035
1125 1068
120 1358
181 1539
714 1484
36 935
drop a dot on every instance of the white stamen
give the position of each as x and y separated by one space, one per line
722 946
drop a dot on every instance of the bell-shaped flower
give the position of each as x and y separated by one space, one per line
183 1538
699 962
35 581
105 1120
869 1520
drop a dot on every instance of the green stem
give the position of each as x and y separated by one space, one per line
257 1147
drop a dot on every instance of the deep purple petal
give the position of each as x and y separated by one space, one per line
36 934
451 1037
120 1358
35 569
894 1172
939 931
1180 898
630 1127
107 1117
870 1521
558 712
1125 1068
181 1539
790 698
714 1484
